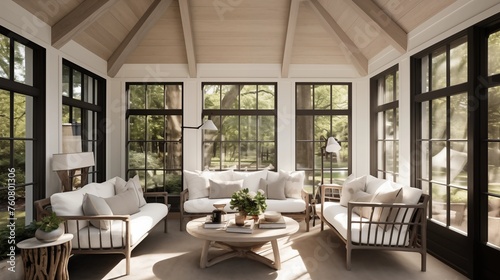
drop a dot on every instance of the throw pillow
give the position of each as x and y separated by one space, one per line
224 189
361 196
273 190
385 194
135 185
124 203
197 183
251 180
93 206
294 183
350 187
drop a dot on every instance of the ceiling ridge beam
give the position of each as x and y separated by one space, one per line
290 35
78 20
188 37
393 33
350 50
134 37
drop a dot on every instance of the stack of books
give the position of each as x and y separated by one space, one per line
209 224
263 223
247 228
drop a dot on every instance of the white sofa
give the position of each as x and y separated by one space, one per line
284 192
374 213
108 217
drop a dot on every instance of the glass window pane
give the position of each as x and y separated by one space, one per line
23 64
173 95
458 116
424 159
77 85
154 158
397 86
389 156
389 88
458 163
248 155
322 99
494 113
305 127
5 56
212 97
494 220
494 53
248 127
458 209
396 125
23 113
424 119
77 115
211 158
305 154
230 155
155 96
304 97
229 131
494 167
89 90
439 207
380 125
425 74
65 80
248 97
340 97
173 182
4 113
266 97
137 97
173 155
340 124
322 127
229 97
266 128
137 125
267 152
136 155
155 128
439 69
439 161
389 124
458 61
439 118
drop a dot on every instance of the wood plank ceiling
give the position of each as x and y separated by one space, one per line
189 32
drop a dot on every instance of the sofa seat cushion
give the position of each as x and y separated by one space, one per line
206 205
336 215
289 205
140 223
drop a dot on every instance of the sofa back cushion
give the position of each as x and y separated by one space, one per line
124 203
197 181
70 204
251 179
294 183
273 190
350 187
133 184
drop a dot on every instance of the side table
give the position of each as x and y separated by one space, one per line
46 260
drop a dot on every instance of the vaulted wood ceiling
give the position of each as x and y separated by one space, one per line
190 32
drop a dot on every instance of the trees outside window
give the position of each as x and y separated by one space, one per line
384 110
322 110
154 121
245 114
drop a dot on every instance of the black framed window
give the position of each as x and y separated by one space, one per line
384 119
83 117
22 126
322 110
246 116
154 121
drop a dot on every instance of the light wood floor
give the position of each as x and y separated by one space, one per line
305 255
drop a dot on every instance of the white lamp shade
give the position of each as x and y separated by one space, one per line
71 161
208 125
332 145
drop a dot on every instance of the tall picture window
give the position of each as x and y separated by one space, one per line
154 121
245 114
83 117
384 109
323 110
22 127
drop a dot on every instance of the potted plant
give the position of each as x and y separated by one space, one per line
49 228
247 203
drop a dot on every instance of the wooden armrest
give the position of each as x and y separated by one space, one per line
158 194
184 195
42 208
305 196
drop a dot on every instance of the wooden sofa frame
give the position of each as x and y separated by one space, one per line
43 208
417 226
299 216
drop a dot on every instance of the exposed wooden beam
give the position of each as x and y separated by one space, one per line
134 37
188 37
351 51
78 20
394 34
290 35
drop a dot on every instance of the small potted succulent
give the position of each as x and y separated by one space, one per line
49 228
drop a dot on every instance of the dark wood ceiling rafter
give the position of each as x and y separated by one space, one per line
134 37
290 35
188 37
78 20
349 48
393 33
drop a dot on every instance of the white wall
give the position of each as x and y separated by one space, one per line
441 26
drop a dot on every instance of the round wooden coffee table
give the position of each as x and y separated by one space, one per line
240 244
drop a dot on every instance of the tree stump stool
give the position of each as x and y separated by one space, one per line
46 260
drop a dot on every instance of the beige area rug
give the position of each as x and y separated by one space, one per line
305 255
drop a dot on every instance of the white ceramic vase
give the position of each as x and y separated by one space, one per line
50 236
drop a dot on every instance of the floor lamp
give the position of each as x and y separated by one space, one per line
67 164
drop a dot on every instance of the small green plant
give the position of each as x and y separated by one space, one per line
49 223
252 203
